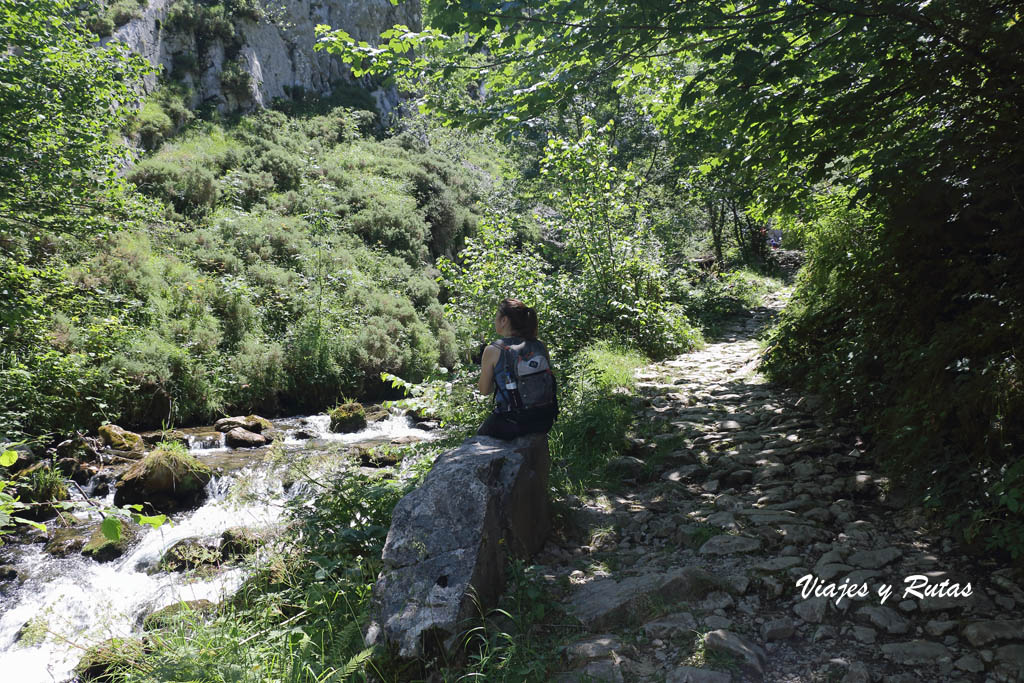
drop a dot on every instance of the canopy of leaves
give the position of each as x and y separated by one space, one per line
869 91
61 98
901 118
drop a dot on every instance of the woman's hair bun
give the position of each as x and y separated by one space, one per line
522 317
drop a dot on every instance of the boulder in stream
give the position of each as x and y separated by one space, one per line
191 554
79 448
188 609
99 661
347 418
445 554
103 549
157 436
376 413
251 423
379 457
238 541
64 542
168 479
121 439
243 438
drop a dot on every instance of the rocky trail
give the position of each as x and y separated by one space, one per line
738 496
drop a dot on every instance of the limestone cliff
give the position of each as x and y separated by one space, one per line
243 58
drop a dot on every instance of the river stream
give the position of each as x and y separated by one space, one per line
65 605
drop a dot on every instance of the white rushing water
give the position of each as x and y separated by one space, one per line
68 604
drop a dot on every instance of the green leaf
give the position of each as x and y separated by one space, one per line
111 528
155 521
37 525
8 458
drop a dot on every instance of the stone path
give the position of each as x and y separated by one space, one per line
737 490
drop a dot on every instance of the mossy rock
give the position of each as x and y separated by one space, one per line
121 439
251 423
155 437
347 418
238 541
100 661
376 413
66 542
167 616
103 549
379 457
190 554
166 479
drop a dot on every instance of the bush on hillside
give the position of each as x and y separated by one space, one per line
910 332
153 125
192 191
283 166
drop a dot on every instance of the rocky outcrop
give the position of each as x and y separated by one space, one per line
252 423
243 438
103 549
121 439
347 418
449 541
276 50
166 480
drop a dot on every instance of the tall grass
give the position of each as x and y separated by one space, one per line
594 415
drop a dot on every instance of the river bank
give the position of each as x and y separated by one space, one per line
58 603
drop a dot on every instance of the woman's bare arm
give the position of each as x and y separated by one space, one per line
487 363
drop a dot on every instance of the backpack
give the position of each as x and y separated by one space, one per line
522 377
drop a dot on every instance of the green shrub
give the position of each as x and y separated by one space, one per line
45 485
153 125
593 416
284 166
100 24
236 80
389 218
906 329
123 11
192 386
257 376
207 22
192 191
247 188
252 10
175 98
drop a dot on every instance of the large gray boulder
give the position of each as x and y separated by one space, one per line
276 51
446 552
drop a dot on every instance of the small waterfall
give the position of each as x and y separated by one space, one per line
206 441
71 603
392 427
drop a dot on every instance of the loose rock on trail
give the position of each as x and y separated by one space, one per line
741 506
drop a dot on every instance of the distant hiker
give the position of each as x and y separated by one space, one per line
517 369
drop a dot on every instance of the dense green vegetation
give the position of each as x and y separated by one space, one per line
282 263
620 174
882 133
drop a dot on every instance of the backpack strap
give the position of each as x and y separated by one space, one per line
511 399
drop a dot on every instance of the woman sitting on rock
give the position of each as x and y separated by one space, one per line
517 369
